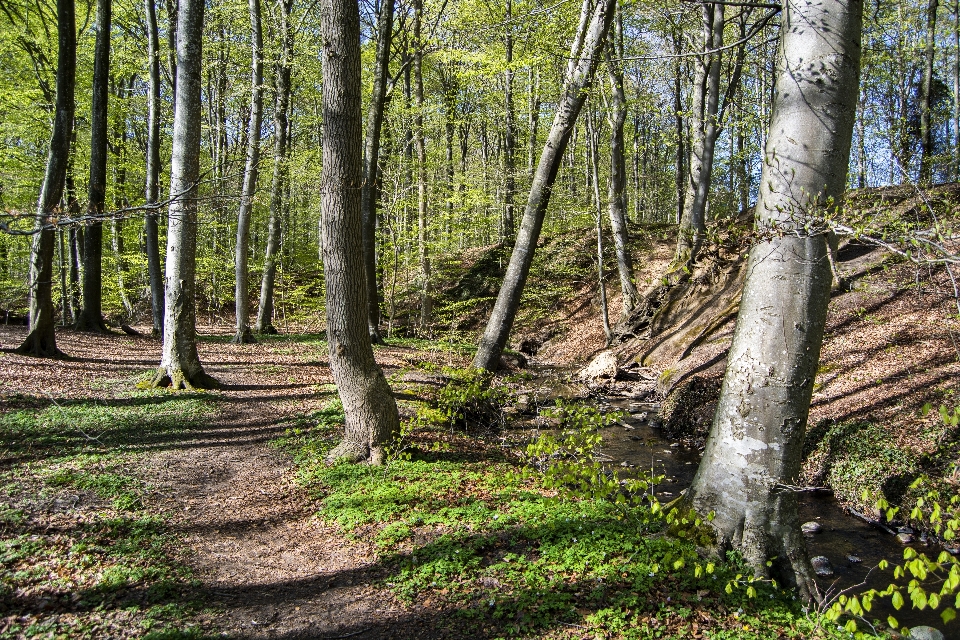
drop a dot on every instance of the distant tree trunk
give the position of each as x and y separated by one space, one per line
180 366
593 148
534 118
510 132
75 233
426 300
617 181
679 125
91 314
250 174
956 89
119 149
926 135
151 231
372 420
755 445
704 131
281 131
171 9
41 340
371 162
585 55
64 296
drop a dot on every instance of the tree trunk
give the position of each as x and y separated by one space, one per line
926 135
956 89
371 162
754 448
119 150
180 366
151 231
372 420
533 80
423 234
593 148
583 62
510 132
617 180
41 340
91 314
704 131
679 124
250 174
281 131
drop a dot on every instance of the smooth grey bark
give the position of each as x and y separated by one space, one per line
926 135
617 180
423 231
585 55
510 132
91 313
151 230
180 366
243 334
119 150
680 128
281 132
704 130
755 444
371 163
372 419
593 149
533 83
41 340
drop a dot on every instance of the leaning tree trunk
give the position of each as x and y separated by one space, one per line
585 54
91 313
617 181
242 304
371 162
41 340
704 131
753 452
180 366
151 231
280 139
371 412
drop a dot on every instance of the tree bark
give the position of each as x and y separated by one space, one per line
371 162
926 135
41 340
510 132
584 57
281 132
617 180
180 366
593 149
754 448
151 231
423 231
372 419
91 313
243 334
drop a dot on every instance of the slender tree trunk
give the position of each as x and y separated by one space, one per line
41 340
180 366
423 234
510 132
372 420
91 314
926 135
679 124
533 80
243 334
956 89
704 131
585 55
151 231
617 180
64 297
281 131
371 163
171 9
754 449
119 150
593 148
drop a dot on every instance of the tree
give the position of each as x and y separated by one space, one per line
151 231
584 56
91 313
372 419
41 339
371 164
243 334
754 448
926 135
180 366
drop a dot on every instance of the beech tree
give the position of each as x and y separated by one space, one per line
151 231
753 452
41 339
372 419
180 366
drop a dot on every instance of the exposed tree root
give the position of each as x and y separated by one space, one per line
88 324
268 330
244 337
179 380
41 347
351 452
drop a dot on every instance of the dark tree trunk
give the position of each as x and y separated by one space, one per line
281 132
585 55
91 314
151 231
371 162
754 449
926 135
372 420
180 366
250 174
41 339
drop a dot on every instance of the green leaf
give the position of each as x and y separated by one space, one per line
896 600
893 622
948 614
